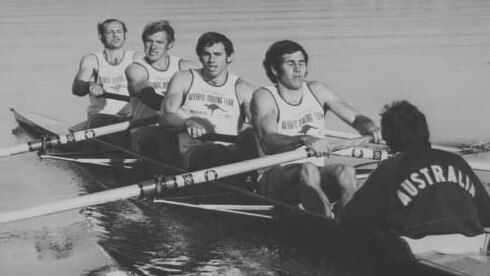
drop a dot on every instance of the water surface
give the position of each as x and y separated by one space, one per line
433 53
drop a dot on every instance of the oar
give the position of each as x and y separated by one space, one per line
361 153
76 136
367 153
109 162
114 96
170 182
349 135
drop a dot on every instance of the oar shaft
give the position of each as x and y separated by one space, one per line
118 97
186 179
348 135
364 153
149 187
206 175
169 182
480 165
474 164
76 136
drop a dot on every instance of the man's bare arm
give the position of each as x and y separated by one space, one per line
245 92
177 88
264 120
344 111
139 87
84 78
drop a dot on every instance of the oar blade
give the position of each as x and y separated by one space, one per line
71 204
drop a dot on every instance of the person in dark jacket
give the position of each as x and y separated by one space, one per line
420 191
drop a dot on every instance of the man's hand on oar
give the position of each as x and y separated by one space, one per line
97 90
174 123
165 182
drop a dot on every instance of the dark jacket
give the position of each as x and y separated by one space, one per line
419 192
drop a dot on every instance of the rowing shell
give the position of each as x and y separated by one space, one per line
343 241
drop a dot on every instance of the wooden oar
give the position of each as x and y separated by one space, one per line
118 97
76 136
170 182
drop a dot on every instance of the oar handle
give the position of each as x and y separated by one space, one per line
219 137
118 97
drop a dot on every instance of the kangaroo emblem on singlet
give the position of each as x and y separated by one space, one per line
304 130
213 107
118 87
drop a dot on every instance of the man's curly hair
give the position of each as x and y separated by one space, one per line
404 126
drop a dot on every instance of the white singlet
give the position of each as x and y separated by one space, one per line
113 80
299 119
159 80
215 107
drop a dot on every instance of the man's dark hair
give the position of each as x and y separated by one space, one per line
101 26
156 27
404 126
210 38
273 56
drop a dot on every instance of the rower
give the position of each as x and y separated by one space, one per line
103 72
421 191
282 114
147 81
211 100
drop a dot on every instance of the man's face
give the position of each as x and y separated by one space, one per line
113 36
292 70
214 59
156 46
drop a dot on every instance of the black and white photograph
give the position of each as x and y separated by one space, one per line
233 137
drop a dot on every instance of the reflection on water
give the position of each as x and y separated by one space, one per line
174 241
54 245
51 251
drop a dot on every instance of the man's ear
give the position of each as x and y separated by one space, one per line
229 59
170 45
274 71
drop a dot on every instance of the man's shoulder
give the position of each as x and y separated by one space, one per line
263 97
322 92
136 66
243 85
185 73
318 87
90 58
182 77
136 70
262 92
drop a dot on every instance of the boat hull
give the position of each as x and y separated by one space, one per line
367 251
